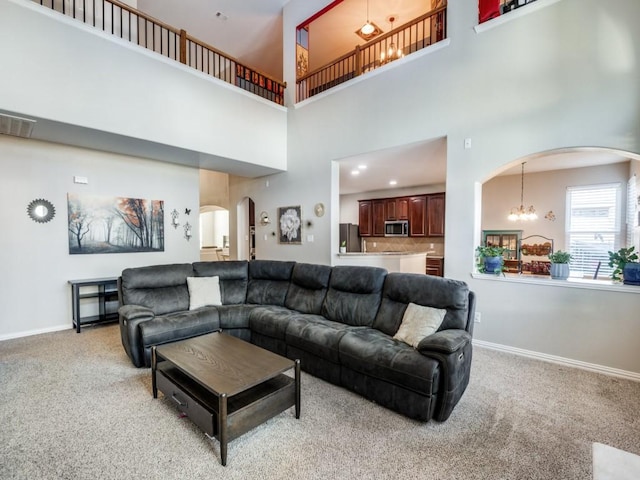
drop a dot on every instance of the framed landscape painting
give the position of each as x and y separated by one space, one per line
290 225
99 224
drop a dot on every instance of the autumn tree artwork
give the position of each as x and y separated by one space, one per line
99 224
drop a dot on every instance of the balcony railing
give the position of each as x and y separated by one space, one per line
408 38
134 26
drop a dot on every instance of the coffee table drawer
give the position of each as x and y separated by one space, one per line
189 402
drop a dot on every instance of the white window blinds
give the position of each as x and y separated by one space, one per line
593 227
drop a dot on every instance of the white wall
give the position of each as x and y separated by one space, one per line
565 75
66 72
35 259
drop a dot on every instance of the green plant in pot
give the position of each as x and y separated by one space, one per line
559 265
343 247
625 266
490 259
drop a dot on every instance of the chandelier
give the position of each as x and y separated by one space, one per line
392 53
520 213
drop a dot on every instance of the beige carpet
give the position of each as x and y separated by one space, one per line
73 407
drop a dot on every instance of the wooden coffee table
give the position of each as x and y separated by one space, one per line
225 385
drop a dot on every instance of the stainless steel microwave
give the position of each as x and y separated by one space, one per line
396 228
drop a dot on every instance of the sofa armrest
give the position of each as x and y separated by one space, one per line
131 316
131 312
444 341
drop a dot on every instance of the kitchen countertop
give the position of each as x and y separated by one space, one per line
362 254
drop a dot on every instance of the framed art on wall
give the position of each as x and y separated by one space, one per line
99 224
290 225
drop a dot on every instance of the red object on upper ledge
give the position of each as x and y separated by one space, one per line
488 9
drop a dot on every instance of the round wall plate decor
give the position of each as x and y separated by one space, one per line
41 210
319 209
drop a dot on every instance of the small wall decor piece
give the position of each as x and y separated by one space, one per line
290 225
41 210
264 219
318 209
174 218
187 211
187 231
114 224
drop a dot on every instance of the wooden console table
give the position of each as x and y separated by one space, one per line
104 290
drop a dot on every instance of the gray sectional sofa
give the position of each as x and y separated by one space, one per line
339 321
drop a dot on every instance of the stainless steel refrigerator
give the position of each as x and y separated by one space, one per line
349 234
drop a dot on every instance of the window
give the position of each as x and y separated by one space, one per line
593 227
632 210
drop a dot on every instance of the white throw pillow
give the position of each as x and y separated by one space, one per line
419 322
203 291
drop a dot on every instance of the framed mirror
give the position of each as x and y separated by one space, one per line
41 210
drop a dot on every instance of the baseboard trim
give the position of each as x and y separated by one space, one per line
28 333
568 362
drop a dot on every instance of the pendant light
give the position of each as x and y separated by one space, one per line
367 28
520 213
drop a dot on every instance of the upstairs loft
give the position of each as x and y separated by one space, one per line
125 22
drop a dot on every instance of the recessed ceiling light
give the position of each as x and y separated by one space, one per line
362 167
355 172
393 182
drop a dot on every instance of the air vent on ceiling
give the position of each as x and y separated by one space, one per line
16 126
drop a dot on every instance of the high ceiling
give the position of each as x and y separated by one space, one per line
251 31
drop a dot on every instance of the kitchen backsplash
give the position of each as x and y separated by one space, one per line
433 245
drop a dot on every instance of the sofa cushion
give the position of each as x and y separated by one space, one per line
178 326
377 355
419 322
234 277
269 282
162 288
317 335
234 316
270 321
308 287
354 294
400 289
203 292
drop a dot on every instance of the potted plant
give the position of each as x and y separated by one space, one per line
625 262
343 247
489 259
559 265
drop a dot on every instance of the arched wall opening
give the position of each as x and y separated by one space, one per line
214 232
550 182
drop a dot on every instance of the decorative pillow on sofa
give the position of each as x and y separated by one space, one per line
419 322
203 291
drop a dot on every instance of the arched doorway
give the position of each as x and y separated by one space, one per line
214 233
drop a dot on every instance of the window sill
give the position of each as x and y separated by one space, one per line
512 15
582 283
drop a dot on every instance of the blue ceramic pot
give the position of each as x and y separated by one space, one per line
492 264
631 274
559 271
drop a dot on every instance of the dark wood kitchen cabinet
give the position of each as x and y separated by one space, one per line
371 218
364 218
390 210
417 216
396 208
377 218
435 266
435 215
402 208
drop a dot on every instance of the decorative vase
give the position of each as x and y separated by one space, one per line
631 273
493 264
559 271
